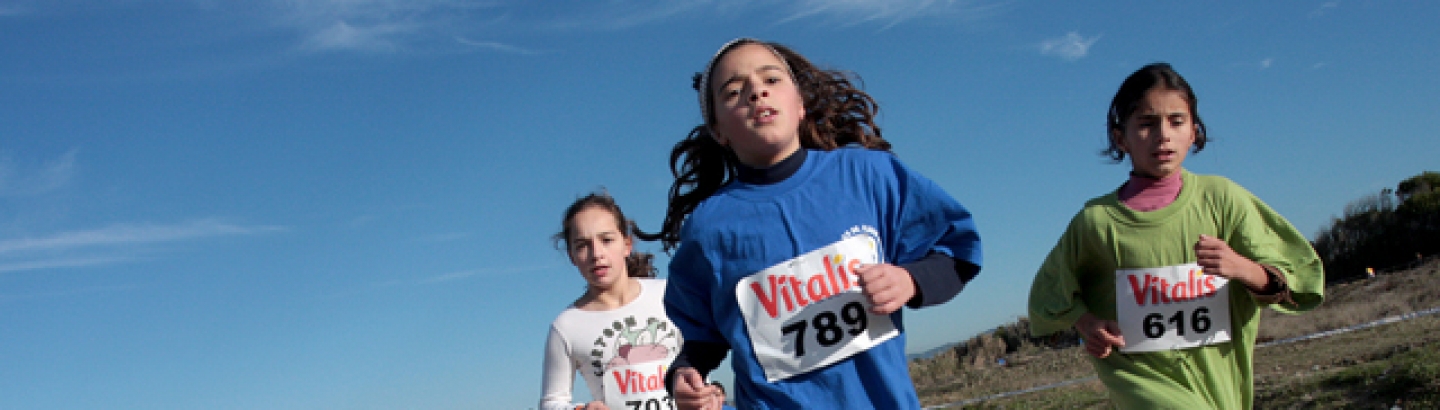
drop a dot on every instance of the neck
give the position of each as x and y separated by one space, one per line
777 172
1144 193
614 297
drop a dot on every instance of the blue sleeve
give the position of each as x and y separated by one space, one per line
927 221
687 294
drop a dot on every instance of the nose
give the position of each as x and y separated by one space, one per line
758 94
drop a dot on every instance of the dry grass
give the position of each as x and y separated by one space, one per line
1308 374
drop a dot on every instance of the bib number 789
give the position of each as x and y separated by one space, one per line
827 327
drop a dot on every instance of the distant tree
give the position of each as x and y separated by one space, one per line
1378 232
1425 183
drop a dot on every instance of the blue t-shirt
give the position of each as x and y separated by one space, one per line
745 228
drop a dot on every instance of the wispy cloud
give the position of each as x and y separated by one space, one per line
71 292
372 25
1324 9
108 245
496 46
17 180
454 276
344 36
1070 47
887 12
9 10
1265 64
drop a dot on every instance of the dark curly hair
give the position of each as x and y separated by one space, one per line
838 113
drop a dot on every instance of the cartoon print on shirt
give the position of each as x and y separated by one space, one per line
631 344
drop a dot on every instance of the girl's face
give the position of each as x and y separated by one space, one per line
758 106
1158 135
598 247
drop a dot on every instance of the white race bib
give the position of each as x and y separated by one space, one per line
640 386
1173 307
808 312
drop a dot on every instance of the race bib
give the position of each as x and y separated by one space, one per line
1174 307
808 312
637 387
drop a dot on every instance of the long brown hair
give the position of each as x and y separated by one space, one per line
838 113
637 264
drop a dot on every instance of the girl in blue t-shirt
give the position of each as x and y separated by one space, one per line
797 238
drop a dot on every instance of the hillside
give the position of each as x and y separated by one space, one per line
1364 368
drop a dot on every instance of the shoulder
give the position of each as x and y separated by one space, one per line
860 155
1214 183
567 319
653 286
1219 189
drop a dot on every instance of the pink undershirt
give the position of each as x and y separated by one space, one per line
1146 194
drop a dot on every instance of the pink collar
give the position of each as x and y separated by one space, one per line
1148 194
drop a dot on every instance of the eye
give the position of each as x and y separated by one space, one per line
773 80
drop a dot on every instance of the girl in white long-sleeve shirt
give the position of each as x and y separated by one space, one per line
616 335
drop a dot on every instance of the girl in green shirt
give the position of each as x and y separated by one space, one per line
1164 277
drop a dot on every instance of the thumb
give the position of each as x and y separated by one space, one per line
1112 332
692 379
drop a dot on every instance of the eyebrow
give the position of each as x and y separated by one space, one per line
738 76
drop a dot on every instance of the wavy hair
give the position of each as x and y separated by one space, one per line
637 264
838 113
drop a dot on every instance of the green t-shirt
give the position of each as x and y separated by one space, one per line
1079 276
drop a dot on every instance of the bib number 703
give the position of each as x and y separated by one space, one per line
1199 322
651 404
828 331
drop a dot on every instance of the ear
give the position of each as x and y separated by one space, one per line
1117 137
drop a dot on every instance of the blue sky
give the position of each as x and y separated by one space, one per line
347 204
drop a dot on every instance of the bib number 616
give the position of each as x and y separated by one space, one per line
827 325
1199 322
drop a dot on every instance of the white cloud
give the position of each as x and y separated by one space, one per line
1324 9
453 276
1264 64
343 36
371 25
1071 47
888 12
127 234
9 10
109 245
496 46
63 262
49 176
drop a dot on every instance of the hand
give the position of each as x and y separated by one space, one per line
1216 258
691 391
888 287
1100 335
596 405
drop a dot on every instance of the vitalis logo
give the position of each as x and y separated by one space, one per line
784 293
1160 291
626 343
870 231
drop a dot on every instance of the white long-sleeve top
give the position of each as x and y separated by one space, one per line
591 342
